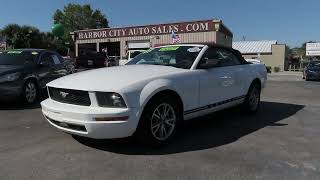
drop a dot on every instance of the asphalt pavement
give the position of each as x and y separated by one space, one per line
280 142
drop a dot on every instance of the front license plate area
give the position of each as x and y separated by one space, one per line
90 62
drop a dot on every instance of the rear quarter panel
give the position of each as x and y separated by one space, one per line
255 71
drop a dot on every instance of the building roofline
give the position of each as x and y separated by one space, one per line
253 40
174 22
225 27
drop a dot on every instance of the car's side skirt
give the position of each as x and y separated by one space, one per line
213 107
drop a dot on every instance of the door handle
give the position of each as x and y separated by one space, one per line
228 82
226 77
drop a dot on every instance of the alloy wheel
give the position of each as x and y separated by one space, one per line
30 92
254 99
163 121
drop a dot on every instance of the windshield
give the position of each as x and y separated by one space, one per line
16 57
315 64
175 56
135 53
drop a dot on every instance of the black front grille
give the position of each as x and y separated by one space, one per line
69 96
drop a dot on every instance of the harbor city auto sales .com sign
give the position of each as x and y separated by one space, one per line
185 27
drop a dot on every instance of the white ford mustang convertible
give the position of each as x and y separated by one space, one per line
152 93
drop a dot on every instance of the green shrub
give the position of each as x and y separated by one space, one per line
276 69
269 68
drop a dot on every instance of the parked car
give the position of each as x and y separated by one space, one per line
24 72
113 61
154 92
91 60
69 64
312 71
258 61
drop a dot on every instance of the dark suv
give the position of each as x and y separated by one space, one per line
24 72
91 60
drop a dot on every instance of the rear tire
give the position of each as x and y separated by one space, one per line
252 101
159 121
30 92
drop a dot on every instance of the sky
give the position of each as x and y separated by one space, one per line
289 21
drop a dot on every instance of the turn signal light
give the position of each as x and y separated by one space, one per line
122 118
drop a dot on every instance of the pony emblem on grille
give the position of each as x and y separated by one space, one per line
64 94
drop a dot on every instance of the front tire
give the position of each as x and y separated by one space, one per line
252 101
307 78
159 121
30 92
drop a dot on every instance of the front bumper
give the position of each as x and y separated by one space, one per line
313 75
80 120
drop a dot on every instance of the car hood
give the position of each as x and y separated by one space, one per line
314 68
113 78
6 69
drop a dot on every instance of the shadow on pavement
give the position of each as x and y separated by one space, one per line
18 104
206 132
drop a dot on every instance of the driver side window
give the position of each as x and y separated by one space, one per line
46 60
210 59
229 59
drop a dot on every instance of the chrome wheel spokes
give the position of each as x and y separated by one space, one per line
254 99
163 121
30 92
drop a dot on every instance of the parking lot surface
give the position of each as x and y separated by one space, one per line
280 142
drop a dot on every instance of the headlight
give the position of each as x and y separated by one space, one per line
310 71
10 77
113 100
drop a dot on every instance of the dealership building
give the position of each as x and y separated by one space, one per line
117 41
270 52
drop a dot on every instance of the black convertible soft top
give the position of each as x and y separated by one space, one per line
236 52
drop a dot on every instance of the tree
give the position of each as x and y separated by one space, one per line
30 37
77 17
299 52
9 32
22 36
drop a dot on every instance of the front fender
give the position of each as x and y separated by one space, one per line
31 76
154 87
